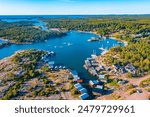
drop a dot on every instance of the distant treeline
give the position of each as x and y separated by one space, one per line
24 32
105 25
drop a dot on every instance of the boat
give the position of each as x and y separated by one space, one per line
119 42
89 40
94 39
69 44
102 49
60 67
94 55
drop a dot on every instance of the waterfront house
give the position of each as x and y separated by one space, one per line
122 82
84 96
87 62
20 73
93 83
93 71
102 78
97 91
98 69
130 68
76 78
137 35
95 64
83 90
78 86
51 64
93 56
50 53
100 87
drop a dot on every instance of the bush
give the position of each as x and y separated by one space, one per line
129 75
130 86
145 83
74 91
148 89
116 97
71 86
132 91
45 68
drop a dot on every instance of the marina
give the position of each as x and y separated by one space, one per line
75 49
72 50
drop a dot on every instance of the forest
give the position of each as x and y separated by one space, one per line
137 54
126 26
25 32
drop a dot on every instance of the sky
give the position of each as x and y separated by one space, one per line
73 7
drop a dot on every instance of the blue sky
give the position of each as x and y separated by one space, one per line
72 7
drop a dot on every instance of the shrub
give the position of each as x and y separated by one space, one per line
132 91
130 86
71 86
129 75
74 91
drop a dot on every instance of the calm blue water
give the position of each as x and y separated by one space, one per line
71 50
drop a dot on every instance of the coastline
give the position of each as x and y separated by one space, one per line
125 42
3 39
87 32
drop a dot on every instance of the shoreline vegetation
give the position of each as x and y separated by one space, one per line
26 33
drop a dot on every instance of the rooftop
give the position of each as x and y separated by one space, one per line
84 96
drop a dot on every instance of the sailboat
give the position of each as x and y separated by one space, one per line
102 48
94 55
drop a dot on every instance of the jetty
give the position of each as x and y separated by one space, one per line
51 64
94 39
83 91
77 84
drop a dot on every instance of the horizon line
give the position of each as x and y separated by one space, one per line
77 14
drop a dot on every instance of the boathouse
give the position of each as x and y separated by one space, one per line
51 64
102 78
93 83
83 90
78 86
84 96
